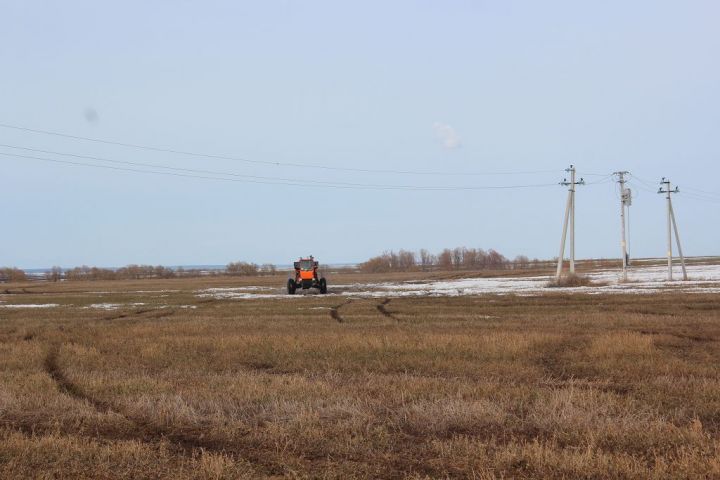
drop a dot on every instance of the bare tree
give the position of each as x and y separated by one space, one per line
405 260
521 262
427 259
445 259
457 257
495 260
54 274
470 258
268 268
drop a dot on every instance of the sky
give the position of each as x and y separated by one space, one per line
454 92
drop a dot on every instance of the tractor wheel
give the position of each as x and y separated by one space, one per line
291 286
323 286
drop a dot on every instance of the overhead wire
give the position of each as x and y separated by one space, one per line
683 192
703 192
640 186
606 179
701 198
269 181
264 162
190 170
215 174
688 192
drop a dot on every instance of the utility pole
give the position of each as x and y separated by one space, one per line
625 201
569 217
672 225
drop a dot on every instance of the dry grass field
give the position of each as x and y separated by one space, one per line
498 386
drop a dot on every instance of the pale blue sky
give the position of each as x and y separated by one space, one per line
452 86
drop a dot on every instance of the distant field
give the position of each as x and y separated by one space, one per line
159 379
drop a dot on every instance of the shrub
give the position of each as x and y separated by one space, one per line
242 269
379 264
570 281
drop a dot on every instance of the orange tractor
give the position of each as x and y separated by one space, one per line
306 276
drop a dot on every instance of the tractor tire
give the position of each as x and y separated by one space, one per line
291 286
323 286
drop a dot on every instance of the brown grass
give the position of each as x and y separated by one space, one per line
573 280
553 386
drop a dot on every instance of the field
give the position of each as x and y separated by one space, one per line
176 379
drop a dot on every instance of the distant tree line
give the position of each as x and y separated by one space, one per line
245 269
460 258
136 272
130 272
8 274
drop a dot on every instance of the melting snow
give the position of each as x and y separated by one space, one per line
30 305
703 279
113 306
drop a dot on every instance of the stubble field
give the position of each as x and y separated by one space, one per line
152 379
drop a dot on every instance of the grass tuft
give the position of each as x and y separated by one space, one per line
572 280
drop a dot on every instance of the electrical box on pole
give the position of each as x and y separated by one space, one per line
625 202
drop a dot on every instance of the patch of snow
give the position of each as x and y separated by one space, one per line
642 280
103 306
156 291
30 305
251 288
113 306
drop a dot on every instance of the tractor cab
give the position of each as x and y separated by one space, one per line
306 264
306 276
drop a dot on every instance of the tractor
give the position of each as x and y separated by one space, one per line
306 276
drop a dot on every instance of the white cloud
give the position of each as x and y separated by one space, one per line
447 135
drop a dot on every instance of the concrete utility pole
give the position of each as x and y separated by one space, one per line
569 216
625 202
672 225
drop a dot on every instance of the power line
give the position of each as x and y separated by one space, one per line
703 192
688 192
282 181
597 174
606 179
265 162
700 198
642 187
192 170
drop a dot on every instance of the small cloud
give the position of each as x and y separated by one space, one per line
91 115
447 135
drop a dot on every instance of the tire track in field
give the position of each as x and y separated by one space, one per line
381 307
552 362
186 442
335 314
684 336
66 386
153 313
162 313
116 317
559 371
